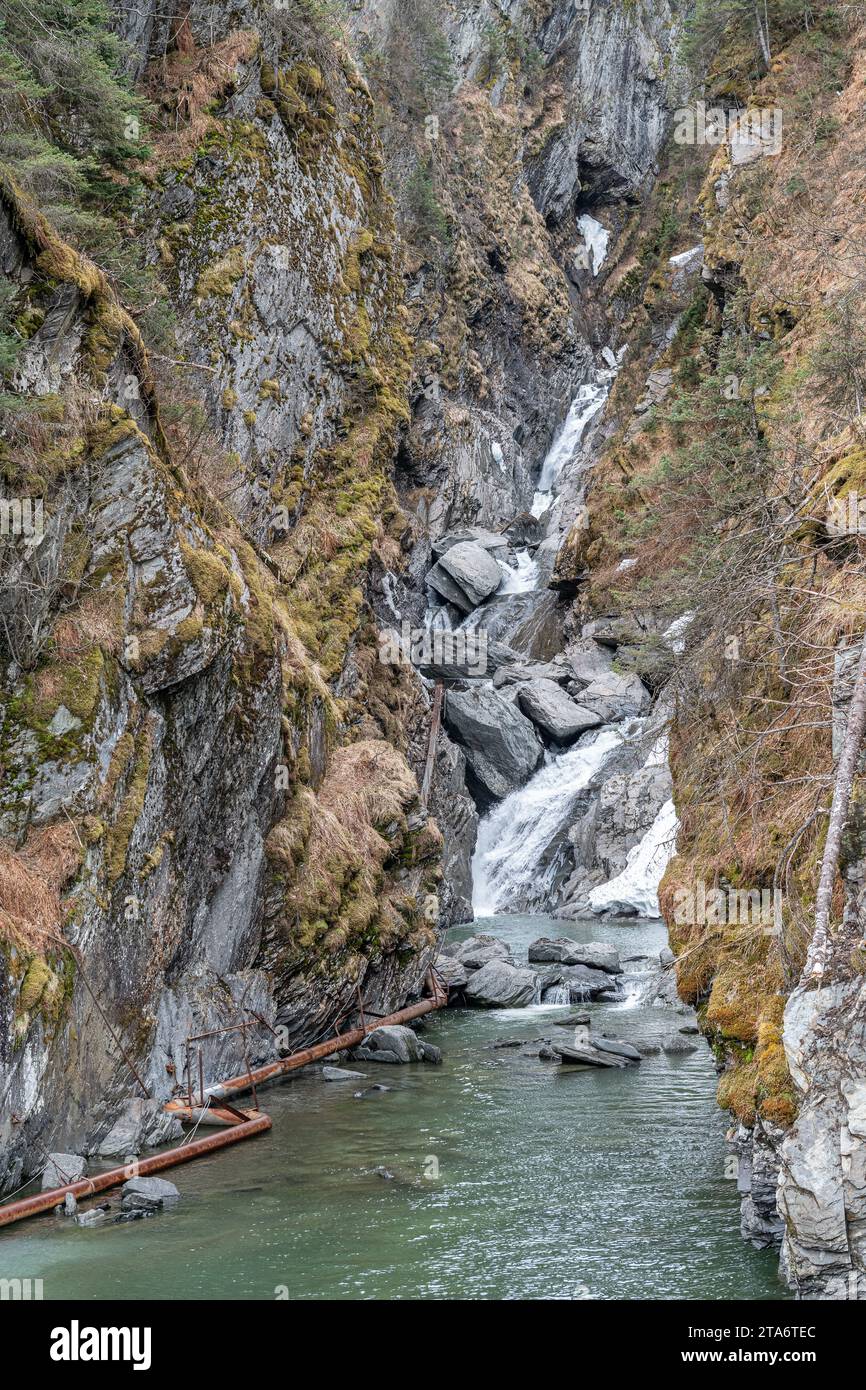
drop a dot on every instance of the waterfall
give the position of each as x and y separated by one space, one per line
515 836
587 403
636 888
522 578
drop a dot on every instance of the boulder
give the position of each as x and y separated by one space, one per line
466 574
501 745
522 672
147 1194
341 1074
461 655
499 985
676 1043
598 955
614 698
587 661
478 951
554 712
394 1044
616 1047
587 984
488 540
452 972
62 1169
560 949
587 1057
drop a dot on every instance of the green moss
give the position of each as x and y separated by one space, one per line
33 985
117 843
208 575
221 277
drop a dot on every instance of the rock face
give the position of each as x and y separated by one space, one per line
501 745
822 1182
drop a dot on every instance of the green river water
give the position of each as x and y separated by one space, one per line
505 1177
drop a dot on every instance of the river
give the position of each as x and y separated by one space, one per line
492 1176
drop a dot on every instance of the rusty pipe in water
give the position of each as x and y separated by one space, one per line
100 1182
235 1085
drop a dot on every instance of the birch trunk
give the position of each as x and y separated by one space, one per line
816 961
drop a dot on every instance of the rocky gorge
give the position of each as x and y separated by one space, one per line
378 590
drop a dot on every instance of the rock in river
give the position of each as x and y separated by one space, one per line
597 955
499 985
501 745
479 950
452 972
466 575
554 712
395 1044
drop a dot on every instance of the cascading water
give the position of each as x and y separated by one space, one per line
635 890
508 864
522 578
587 403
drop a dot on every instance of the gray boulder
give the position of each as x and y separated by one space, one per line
616 1047
521 673
466 574
501 745
395 1045
341 1074
478 951
452 972
62 1169
598 955
499 985
614 698
676 1043
477 535
554 712
587 984
587 1057
147 1194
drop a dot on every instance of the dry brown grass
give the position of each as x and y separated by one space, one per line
31 883
182 84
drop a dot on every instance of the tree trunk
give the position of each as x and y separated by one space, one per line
816 960
763 33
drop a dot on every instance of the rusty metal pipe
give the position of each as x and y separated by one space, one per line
236 1085
100 1182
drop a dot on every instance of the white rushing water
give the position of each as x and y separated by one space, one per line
587 403
522 577
636 888
513 838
